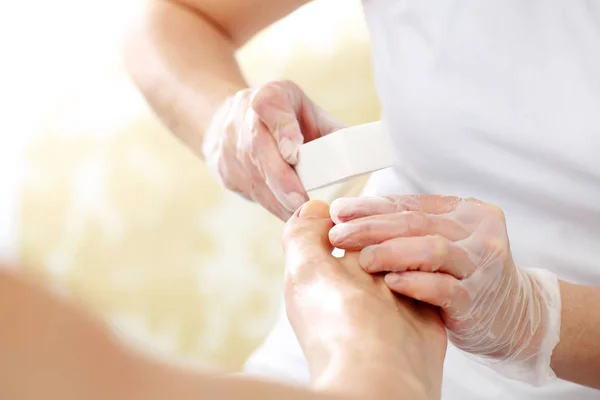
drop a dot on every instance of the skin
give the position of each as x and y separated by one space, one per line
416 238
344 299
181 55
52 349
182 58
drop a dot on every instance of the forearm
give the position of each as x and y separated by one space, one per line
576 358
181 54
185 67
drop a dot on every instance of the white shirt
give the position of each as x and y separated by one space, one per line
498 100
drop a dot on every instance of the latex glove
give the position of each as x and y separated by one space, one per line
253 141
455 253
349 323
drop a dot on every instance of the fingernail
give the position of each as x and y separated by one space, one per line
366 257
291 201
336 233
288 150
337 208
395 279
314 209
344 236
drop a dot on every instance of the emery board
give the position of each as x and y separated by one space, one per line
343 155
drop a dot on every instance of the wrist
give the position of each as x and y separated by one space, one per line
547 297
524 351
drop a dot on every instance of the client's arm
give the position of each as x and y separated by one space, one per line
50 349
346 321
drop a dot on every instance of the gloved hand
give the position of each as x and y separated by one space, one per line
455 253
349 324
253 141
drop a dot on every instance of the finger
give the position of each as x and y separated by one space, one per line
422 253
437 289
346 209
258 190
265 197
249 184
420 310
260 147
227 165
317 122
305 241
279 105
350 208
356 276
360 233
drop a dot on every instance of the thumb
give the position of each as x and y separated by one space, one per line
305 238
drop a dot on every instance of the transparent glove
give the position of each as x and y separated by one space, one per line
454 253
253 140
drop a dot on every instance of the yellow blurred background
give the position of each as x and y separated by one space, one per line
115 211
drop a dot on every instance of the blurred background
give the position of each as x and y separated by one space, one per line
101 201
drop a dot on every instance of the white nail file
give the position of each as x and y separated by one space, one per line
343 155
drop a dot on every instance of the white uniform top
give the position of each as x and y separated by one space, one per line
499 100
